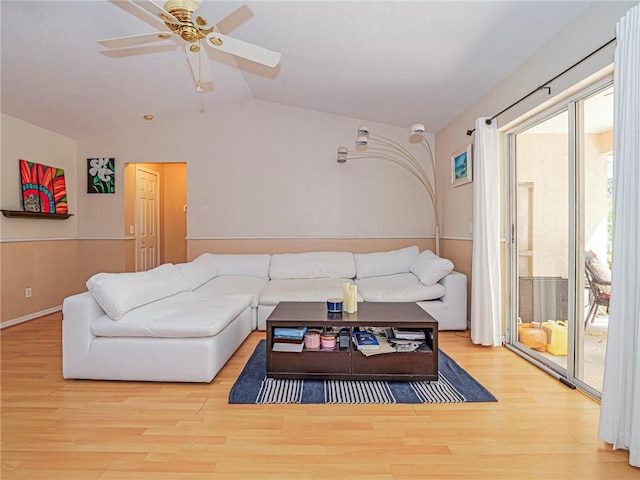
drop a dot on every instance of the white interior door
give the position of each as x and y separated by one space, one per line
147 219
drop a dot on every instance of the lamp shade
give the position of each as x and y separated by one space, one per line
363 131
362 141
417 129
343 150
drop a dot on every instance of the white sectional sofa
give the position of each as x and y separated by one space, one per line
183 322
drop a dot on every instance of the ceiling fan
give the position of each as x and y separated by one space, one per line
178 16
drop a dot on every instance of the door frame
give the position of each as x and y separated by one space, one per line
575 307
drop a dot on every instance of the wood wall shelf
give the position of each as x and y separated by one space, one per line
47 216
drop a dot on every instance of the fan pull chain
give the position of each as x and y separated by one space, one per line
199 87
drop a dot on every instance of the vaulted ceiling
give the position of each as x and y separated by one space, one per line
383 61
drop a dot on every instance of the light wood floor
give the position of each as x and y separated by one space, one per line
68 429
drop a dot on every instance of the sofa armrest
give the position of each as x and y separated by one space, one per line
455 285
450 310
78 313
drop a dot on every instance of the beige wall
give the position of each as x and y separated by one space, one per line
270 171
40 254
297 245
49 268
174 218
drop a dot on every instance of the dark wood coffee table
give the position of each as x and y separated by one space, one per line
348 363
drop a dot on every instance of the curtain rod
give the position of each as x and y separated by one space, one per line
545 86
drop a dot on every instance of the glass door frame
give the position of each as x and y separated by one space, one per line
576 190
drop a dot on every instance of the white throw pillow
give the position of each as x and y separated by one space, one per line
199 270
430 268
385 263
312 265
256 265
117 293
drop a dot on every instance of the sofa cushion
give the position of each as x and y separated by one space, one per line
256 265
402 287
312 265
430 268
181 316
302 290
117 293
385 263
199 270
234 284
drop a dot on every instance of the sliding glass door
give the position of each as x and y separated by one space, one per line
560 216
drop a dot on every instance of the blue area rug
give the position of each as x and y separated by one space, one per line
453 386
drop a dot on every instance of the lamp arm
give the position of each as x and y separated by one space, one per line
390 143
423 179
400 150
410 159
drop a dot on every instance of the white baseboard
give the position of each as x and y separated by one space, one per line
31 316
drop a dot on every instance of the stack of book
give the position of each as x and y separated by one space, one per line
288 339
365 341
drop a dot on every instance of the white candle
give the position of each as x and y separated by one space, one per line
355 298
351 305
345 296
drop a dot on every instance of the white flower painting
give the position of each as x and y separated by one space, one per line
101 175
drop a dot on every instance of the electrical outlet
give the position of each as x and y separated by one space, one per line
27 292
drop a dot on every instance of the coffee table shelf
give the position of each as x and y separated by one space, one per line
349 363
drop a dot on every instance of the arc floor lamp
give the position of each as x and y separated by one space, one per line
370 146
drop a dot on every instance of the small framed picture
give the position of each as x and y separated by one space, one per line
101 175
461 166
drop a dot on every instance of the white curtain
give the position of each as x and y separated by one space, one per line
620 410
485 264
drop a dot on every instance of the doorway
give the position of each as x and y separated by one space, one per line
156 213
560 193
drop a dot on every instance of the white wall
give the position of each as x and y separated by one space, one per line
587 33
259 169
21 140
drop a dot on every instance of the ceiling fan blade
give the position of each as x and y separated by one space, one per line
199 62
157 11
243 49
134 40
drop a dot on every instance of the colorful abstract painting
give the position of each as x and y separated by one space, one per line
45 186
30 188
60 191
101 176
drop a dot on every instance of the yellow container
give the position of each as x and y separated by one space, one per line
531 335
556 336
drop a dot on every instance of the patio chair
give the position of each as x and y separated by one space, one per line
599 298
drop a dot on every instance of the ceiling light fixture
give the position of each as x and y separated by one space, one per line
148 118
376 147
